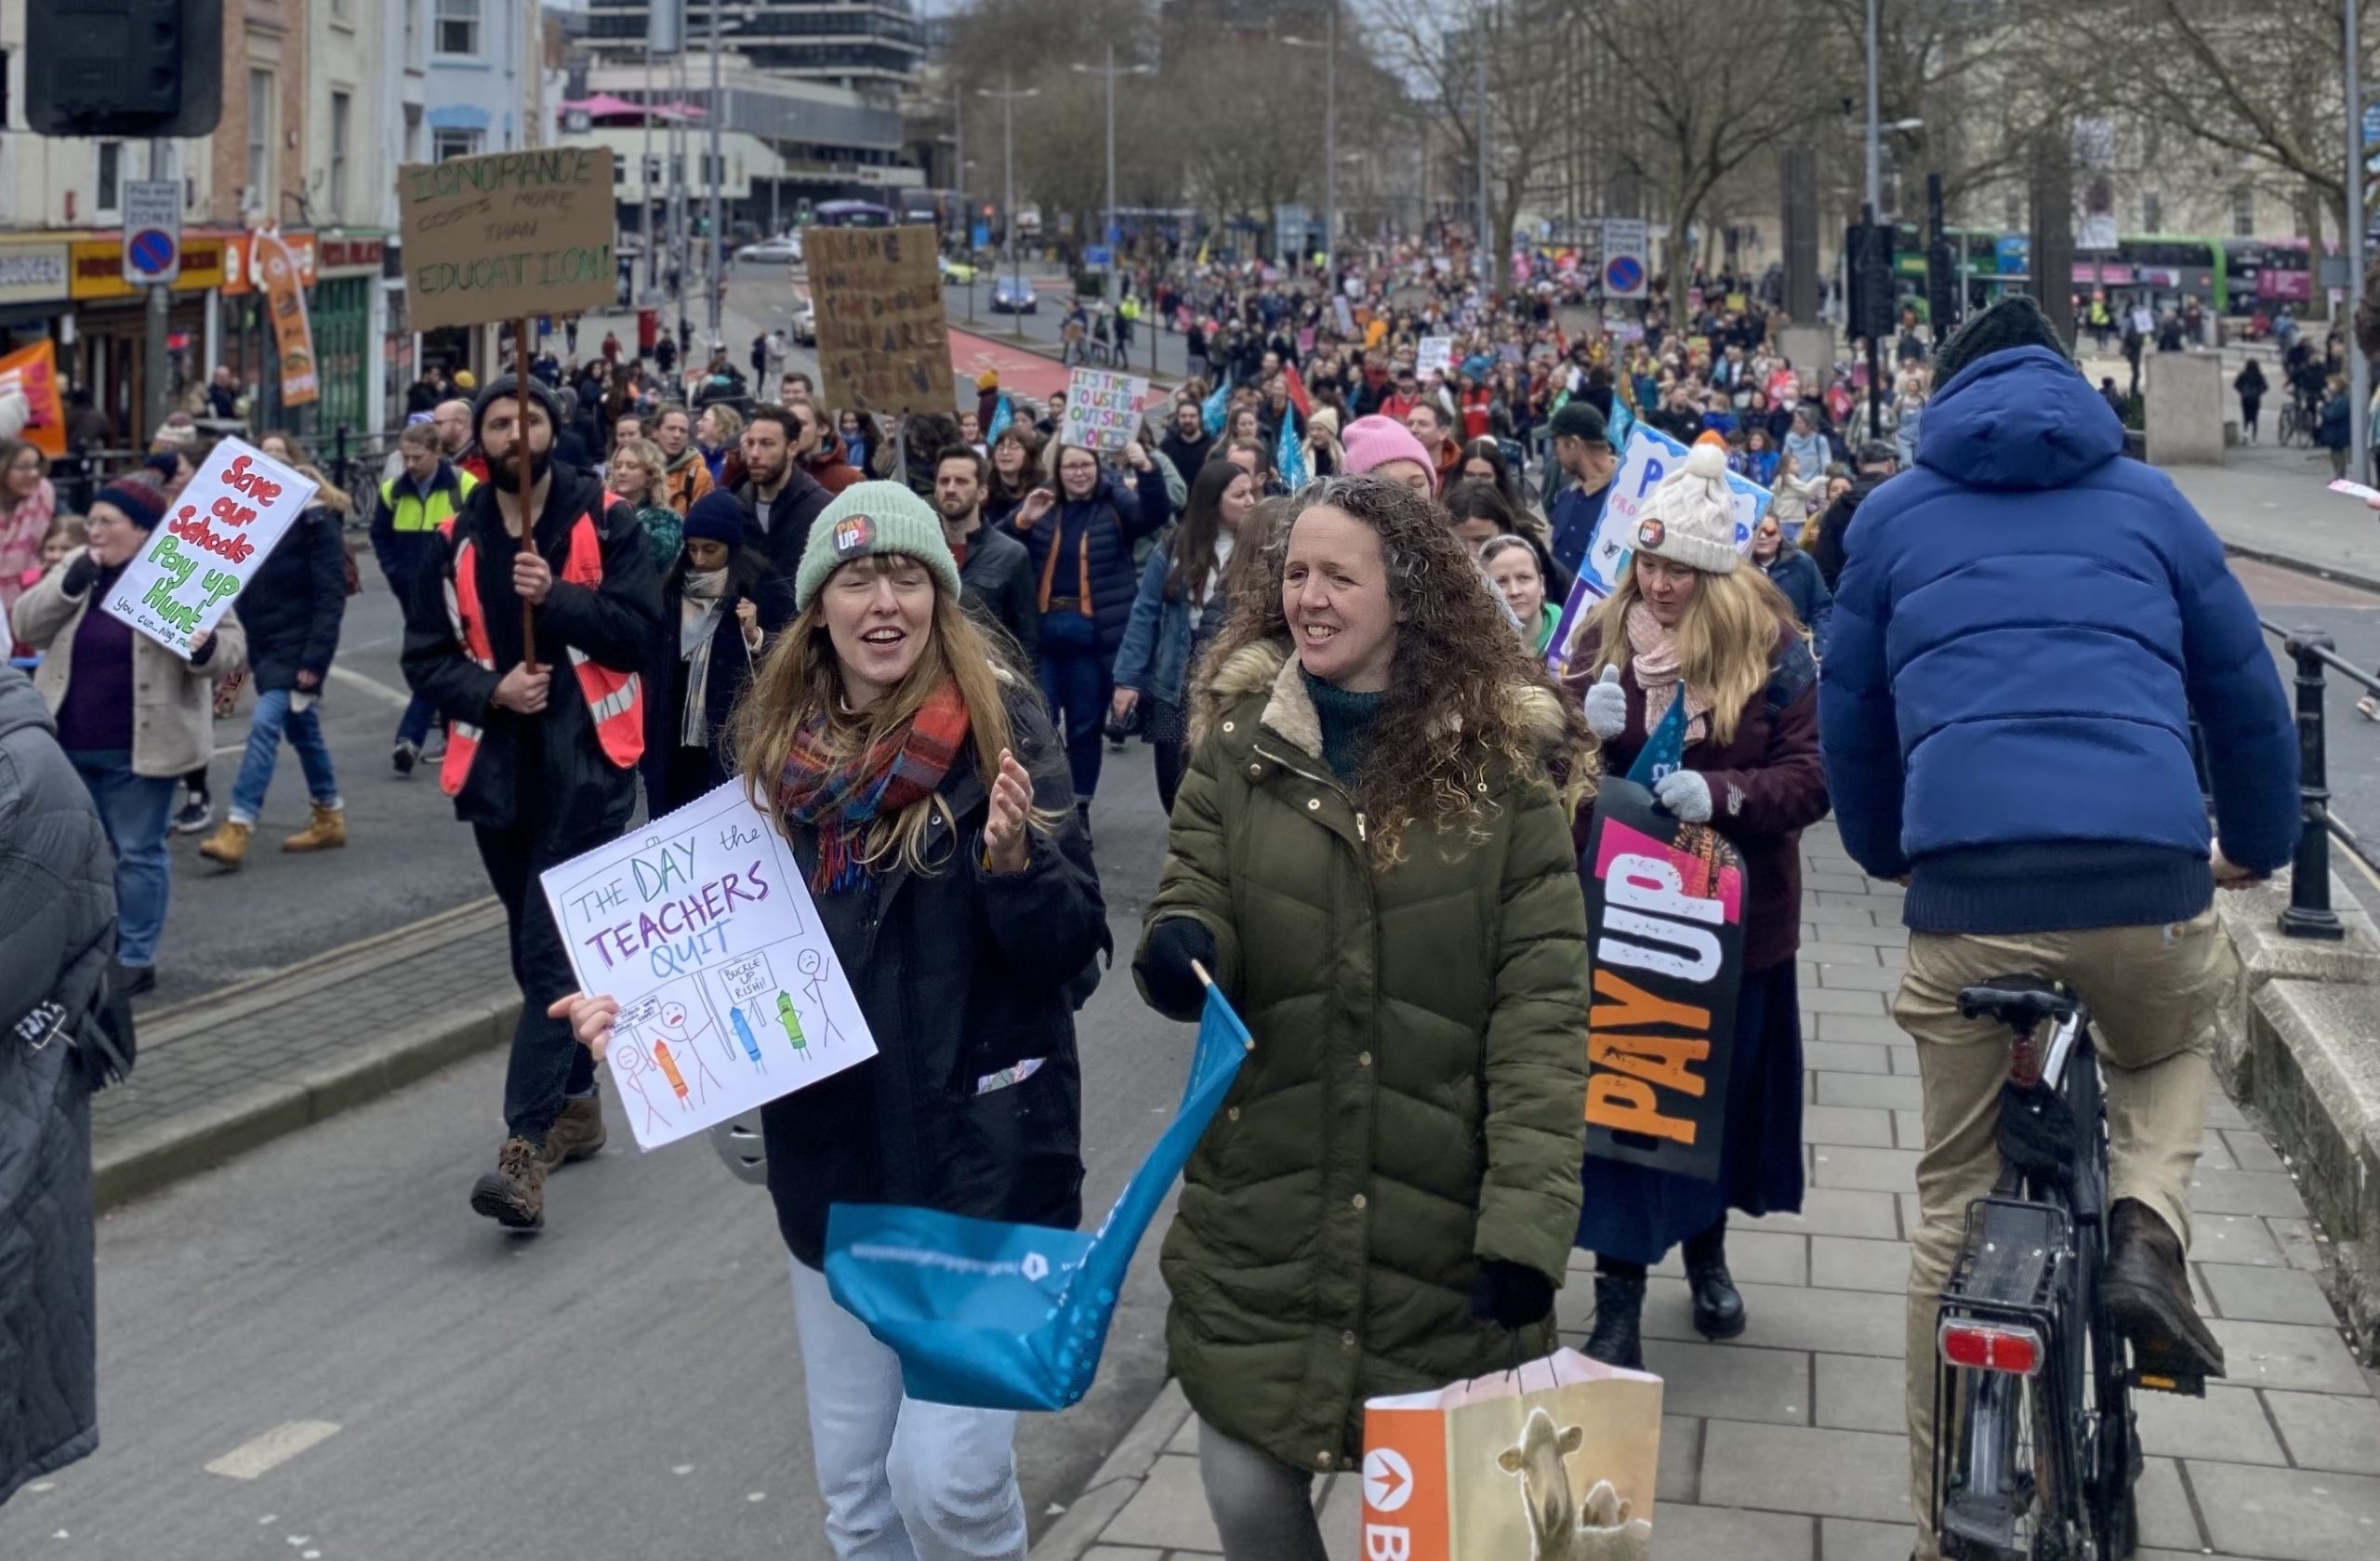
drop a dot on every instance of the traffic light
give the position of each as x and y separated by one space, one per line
1868 279
135 68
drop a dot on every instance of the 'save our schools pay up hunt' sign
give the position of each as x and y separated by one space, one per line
214 539
730 992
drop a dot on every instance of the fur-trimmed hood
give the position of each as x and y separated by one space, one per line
1268 667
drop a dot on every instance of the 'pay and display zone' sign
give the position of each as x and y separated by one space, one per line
1665 923
213 541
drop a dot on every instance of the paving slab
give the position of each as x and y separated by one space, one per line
1726 1382
2289 1514
1866 1127
2238 1238
1833 1212
1865 1028
1789 1318
1876 1170
1806 1469
2164 1508
1845 1056
1872 1089
2328 1431
2216 1191
1862 1392
2290 1356
1169 1512
1848 1539
1848 1263
2228 1424
2266 1295
1690 1532
1761 1257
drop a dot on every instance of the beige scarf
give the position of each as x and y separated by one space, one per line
1658 673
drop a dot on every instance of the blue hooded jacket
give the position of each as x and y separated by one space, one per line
2026 622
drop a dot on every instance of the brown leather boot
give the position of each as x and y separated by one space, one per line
228 847
576 1135
327 832
513 1195
2147 1295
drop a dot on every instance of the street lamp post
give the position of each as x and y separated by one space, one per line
1008 97
716 259
1111 72
1330 46
2359 367
1875 201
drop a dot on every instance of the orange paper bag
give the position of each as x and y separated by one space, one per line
1554 1458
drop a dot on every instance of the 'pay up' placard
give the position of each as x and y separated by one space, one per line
214 539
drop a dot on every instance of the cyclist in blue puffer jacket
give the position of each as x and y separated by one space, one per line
2026 624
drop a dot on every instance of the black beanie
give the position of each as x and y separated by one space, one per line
2016 321
507 387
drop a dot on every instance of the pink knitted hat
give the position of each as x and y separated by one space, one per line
1376 441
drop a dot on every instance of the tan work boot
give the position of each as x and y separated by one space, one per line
576 1135
228 846
513 1195
327 832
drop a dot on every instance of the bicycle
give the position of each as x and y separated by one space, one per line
2036 1446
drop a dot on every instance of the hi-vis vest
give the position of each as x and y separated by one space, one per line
614 698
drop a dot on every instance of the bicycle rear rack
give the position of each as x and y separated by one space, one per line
2014 1272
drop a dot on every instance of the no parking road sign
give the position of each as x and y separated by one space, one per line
153 231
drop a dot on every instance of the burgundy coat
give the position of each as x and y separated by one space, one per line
1766 786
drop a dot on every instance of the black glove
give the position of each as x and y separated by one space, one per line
79 575
1172 944
1511 1294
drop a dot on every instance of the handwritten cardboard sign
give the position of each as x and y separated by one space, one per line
508 235
1102 409
214 539
1665 927
730 992
1435 356
883 343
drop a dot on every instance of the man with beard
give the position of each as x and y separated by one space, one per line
454 420
818 451
1187 446
779 498
994 572
540 755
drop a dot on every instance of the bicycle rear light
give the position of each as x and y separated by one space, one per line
1981 1347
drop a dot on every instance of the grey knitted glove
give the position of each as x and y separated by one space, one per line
1606 706
1685 794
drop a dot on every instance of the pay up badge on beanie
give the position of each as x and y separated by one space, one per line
853 536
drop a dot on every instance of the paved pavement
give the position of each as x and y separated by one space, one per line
624 1387
1788 1444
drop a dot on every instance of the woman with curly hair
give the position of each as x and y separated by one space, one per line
1689 619
1372 855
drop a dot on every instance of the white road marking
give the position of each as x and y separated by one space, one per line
372 686
273 1449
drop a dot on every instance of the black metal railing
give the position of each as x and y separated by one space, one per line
2309 914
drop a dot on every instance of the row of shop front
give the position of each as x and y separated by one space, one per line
69 289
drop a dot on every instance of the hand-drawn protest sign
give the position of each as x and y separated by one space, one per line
507 235
1665 927
730 992
1102 409
1435 356
883 344
214 539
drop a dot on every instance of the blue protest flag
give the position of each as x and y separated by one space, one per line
1665 749
1290 457
1616 428
1211 413
994 1316
1002 415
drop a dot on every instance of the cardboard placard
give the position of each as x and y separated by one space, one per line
883 343
214 539
730 992
508 235
1102 409
1665 928
1435 356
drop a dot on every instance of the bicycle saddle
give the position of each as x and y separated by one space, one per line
2021 1002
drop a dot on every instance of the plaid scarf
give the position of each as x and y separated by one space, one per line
839 801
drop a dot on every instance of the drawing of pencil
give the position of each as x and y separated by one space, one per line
669 1068
744 1034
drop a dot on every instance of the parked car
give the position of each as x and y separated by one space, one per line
787 247
957 273
1014 296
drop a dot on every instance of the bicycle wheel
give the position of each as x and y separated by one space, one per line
2112 1453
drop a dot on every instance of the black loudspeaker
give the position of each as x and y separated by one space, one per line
136 68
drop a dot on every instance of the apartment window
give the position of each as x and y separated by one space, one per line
459 27
2152 212
2243 213
263 103
342 109
453 143
110 183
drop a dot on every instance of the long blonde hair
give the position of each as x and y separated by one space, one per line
1725 641
801 682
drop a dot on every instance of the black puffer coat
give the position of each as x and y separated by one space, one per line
1109 522
962 976
293 604
57 938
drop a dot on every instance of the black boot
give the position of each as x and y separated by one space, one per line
1620 1311
2147 1295
1718 1306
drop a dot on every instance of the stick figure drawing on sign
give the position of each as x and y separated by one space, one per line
630 1065
812 966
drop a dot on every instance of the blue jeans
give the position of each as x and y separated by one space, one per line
1076 682
135 811
903 1480
415 725
304 728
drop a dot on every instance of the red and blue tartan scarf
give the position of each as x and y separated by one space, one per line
839 801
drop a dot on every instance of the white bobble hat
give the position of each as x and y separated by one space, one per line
1691 517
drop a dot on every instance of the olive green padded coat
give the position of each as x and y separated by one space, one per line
1415 1100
